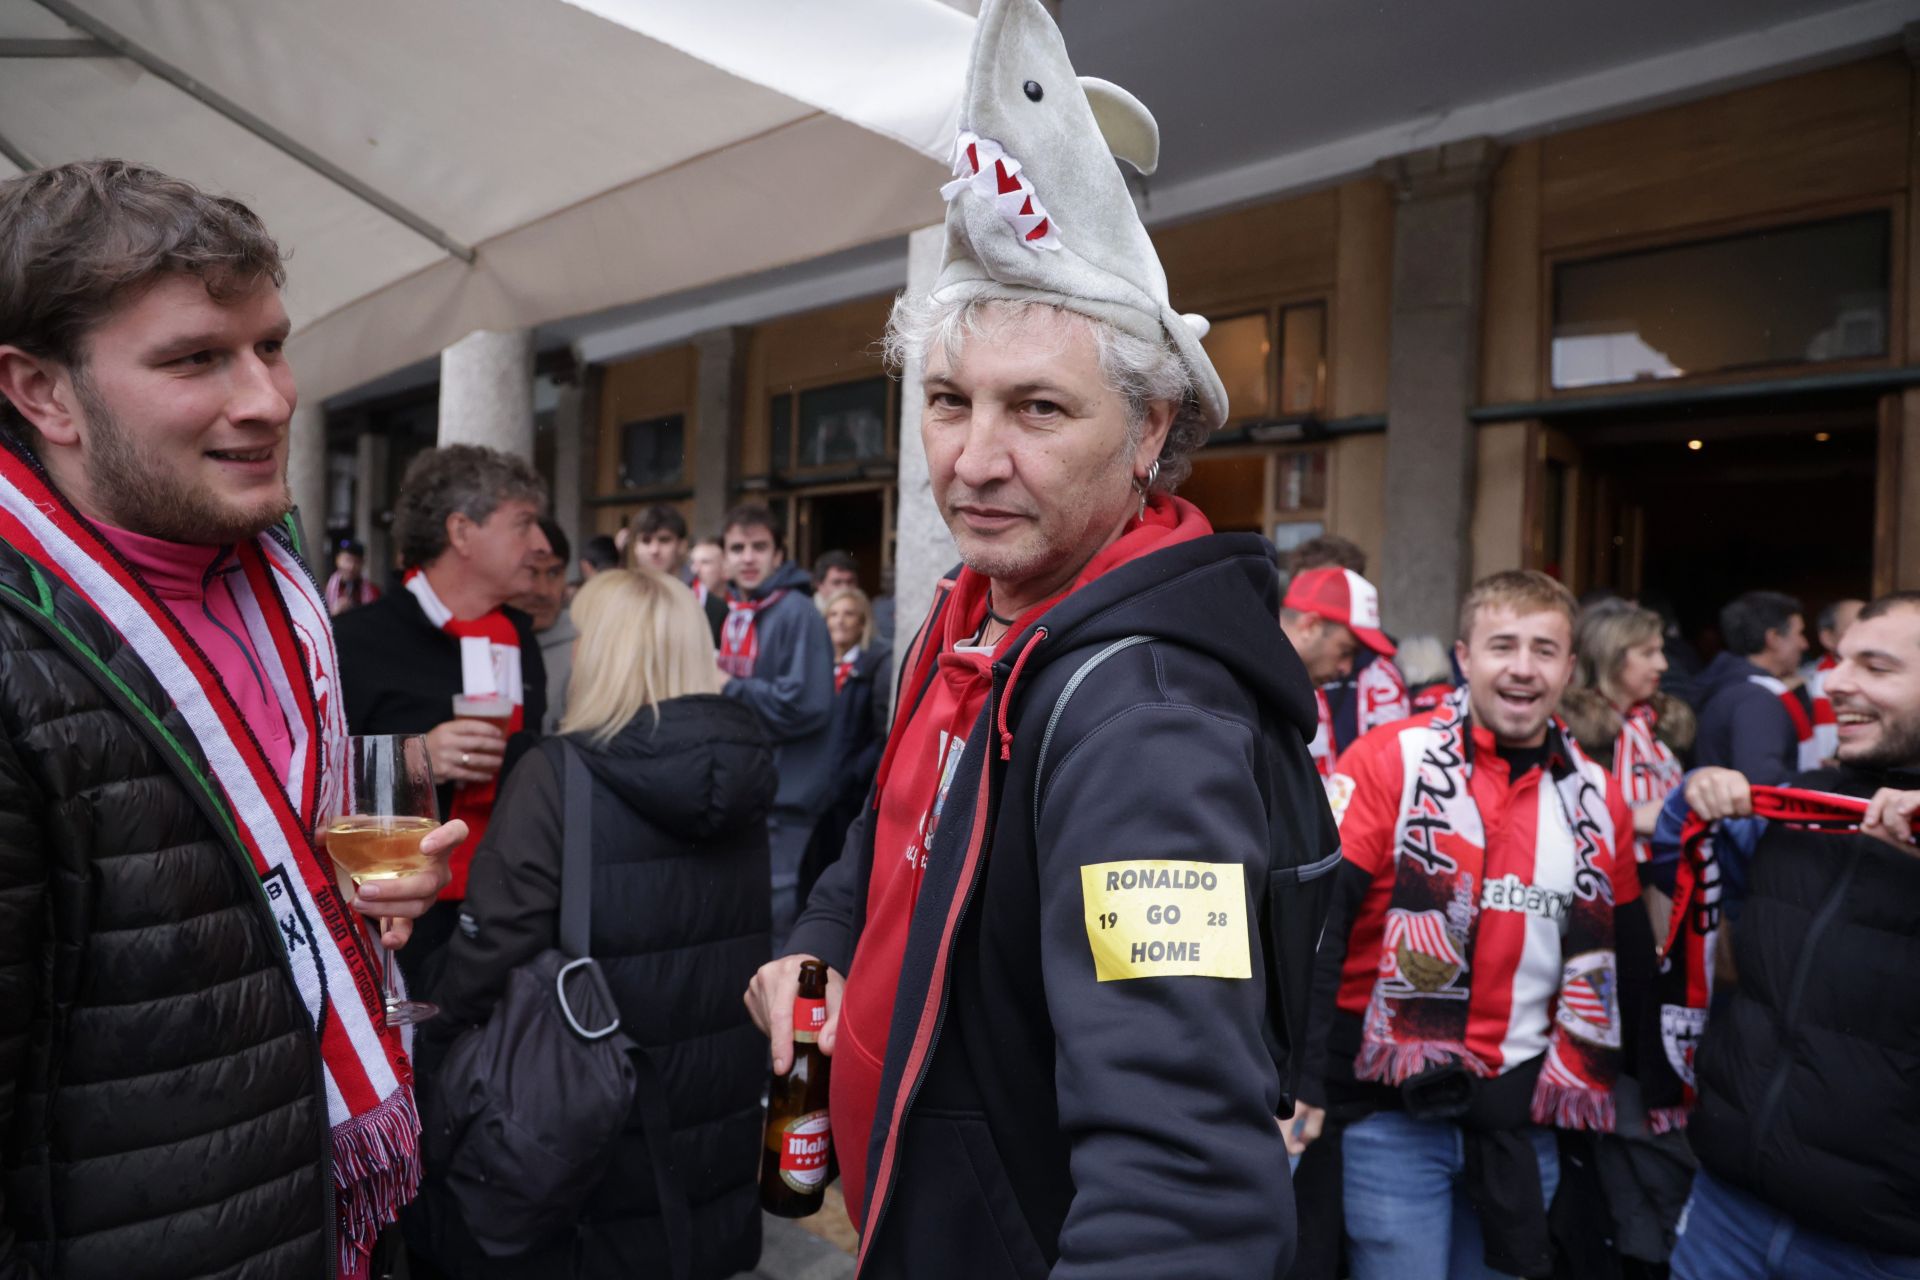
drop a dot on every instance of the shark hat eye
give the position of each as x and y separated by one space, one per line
1033 90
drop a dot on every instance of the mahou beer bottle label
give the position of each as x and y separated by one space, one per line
804 1144
809 1016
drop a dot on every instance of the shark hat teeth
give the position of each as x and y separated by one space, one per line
984 167
1038 209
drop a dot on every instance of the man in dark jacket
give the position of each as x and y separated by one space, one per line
1744 724
467 522
775 651
195 1078
1806 1126
1051 1049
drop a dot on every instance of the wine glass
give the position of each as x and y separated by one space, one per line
388 807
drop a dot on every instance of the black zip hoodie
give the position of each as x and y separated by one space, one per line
1034 1120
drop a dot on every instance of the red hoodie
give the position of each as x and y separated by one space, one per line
920 762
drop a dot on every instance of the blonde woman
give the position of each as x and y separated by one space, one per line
1618 714
682 781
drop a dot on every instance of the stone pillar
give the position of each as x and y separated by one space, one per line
571 433
486 391
720 391
372 454
307 479
923 548
1439 242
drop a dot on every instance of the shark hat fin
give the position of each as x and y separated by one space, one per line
1129 128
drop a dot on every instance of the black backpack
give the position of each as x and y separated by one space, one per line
530 1103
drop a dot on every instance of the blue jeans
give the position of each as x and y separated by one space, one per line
1726 1234
1408 1213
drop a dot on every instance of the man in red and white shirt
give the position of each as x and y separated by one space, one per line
1482 936
1327 614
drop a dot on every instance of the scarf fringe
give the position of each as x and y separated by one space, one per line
376 1171
1668 1119
1398 1061
1560 1106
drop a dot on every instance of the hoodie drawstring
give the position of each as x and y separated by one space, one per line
1006 694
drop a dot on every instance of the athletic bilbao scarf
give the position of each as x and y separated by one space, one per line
376 1152
489 668
1417 1015
1644 766
739 639
1684 986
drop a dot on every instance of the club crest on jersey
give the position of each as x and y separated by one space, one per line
1590 999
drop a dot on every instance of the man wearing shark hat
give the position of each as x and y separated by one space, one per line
1075 917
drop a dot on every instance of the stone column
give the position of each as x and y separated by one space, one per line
486 391
307 479
923 548
372 455
720 390
571 433
1439 242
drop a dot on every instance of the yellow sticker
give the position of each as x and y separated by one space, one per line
1157 918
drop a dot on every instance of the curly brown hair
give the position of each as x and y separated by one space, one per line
78 239
468 478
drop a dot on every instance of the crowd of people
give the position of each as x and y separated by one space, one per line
1178 919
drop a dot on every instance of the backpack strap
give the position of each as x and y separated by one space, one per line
649 1091
1073 684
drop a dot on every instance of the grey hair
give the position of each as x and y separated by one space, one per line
465 478
1140 372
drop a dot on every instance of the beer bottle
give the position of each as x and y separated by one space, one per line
794 1164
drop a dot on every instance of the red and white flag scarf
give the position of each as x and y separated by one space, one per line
739 641
1646 769
489 667
1684 987
370 1106
1418 1014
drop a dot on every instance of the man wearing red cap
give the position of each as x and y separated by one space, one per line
1327 614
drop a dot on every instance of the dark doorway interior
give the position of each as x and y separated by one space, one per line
1782 501
853 522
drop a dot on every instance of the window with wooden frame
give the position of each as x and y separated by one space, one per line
653 453
1273 362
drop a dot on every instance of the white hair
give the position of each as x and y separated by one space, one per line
1140 372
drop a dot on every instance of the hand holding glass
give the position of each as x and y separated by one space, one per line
387 809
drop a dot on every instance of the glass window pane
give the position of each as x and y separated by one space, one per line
780 417
1300 480
1788 295
844 423
651 451
1303 360
1241 348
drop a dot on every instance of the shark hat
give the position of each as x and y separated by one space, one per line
1039 211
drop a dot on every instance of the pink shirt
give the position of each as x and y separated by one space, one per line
192 581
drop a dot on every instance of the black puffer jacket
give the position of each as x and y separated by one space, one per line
1810 1074
681 912
160 1089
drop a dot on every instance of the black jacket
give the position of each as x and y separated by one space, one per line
400 673
160 1087
1809 1076
681 913
1057 1125
1743 724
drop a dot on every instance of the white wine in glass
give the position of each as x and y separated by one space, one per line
387 809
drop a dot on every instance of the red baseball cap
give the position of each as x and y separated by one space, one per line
1342 596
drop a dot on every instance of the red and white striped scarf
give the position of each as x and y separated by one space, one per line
370 1106
739 640
1684 987
1426 994
1646 769
489 667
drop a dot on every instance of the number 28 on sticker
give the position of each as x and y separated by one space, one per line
1158 918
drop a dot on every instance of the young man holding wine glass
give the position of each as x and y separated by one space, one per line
195 1062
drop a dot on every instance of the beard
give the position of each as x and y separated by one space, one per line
141 495
1898 746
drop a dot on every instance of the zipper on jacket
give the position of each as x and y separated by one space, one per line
1789 1012
878 1216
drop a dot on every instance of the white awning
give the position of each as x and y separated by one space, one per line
438 166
